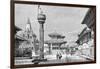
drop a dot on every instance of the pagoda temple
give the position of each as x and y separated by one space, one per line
56 43
29 46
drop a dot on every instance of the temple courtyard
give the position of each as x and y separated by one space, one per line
51 59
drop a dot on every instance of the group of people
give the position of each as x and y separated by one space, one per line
58 56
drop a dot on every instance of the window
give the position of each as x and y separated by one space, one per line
28 36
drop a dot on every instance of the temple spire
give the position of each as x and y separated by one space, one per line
28 26
28 21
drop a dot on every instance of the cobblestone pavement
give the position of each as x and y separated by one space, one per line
66 59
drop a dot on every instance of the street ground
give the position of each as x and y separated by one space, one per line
51 59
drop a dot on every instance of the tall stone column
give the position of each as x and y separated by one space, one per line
49 48
41 20
41 44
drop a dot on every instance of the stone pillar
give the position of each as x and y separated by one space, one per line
51 48
41 44
41 20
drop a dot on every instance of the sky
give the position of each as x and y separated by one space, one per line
64 20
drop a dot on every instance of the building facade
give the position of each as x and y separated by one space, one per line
28 47
86 37
18 41
90 19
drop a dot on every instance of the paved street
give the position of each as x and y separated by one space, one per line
65 59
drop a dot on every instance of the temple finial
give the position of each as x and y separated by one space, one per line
39 10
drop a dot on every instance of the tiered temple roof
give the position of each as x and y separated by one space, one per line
59 41
17 29
55 34
56 38
17 37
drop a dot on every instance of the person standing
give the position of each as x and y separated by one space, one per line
60 56
57 55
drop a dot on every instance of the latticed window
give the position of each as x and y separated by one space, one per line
28 36
23 35
28 42
55 48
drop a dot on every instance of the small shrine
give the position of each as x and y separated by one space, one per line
55 43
